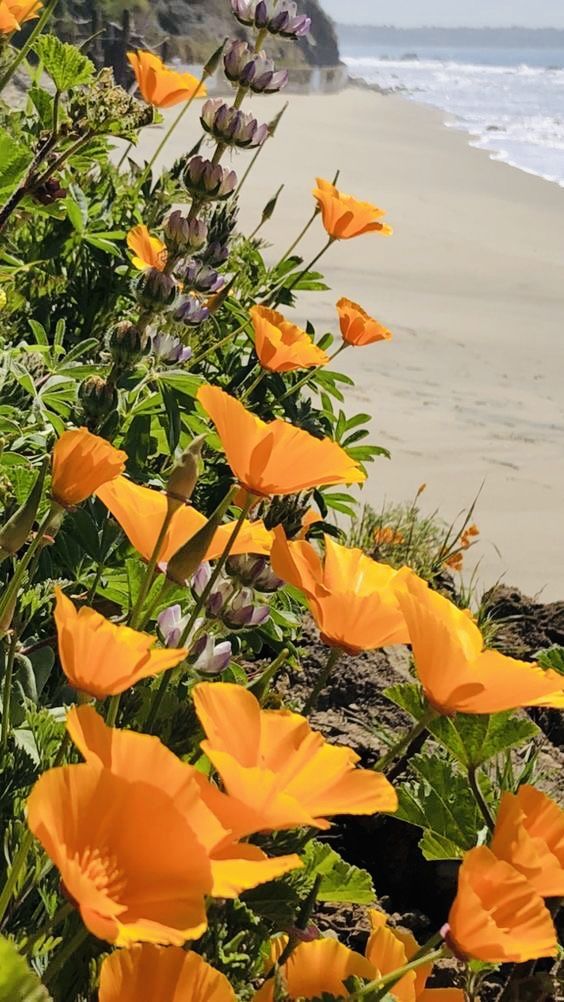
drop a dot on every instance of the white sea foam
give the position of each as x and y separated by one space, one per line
516 112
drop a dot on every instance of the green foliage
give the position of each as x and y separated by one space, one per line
64 63
340 881
18 983
553 658
15 158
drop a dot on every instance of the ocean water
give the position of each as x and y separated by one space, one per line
511 101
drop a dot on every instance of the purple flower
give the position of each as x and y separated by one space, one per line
279 17
155 288
171 624
255 572
199 277
191 311
221 594
208 181
242 613
232 126
183 234
169 349
209 658
252 69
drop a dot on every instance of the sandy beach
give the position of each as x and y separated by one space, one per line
470 389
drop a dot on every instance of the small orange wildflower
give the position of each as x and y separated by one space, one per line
282 346
161 974
13 14
315 969
385 535
103 658
149 252
497 916
529 834
81 463
275 457
161 86
357 327
141 512
457 674
280 770
389 949
352 598
344 216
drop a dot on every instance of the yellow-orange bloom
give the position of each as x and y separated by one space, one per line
529 834
457 674
141 512
315 969
161 86
389 949
282 346
103 658
280 771
13 14
345 216
161 974
275 457
148 251
353 599
497 916
357 327
81 463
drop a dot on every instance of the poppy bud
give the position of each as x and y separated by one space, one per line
182 481
97 396
155 288
17 529
270 206
125 343
214 60
187 559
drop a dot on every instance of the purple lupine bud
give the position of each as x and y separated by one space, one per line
171 625
170 349
269 81
220 597
209 658
208 181
182 233
155 288
201 578
255 572
279 17
191 311
199 277
215 254
242 613
238 55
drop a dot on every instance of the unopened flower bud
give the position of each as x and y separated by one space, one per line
209 658
97 396
242 613
255 572
214 60
279 17
171 625
208 181
182 481
170 349
183 234
248 68
198 277
125 343
232 126
155 288
49 192
215 254
270 206
191 311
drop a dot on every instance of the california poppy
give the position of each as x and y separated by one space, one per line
497 916
161 86
282 346
104 658
141 511
161 974
529 834
81 463
315 969
456 673
279 770
357 327
275 457
149 252
353 599
215 819
345 216
389 949
13 14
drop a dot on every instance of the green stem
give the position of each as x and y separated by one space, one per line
381 986
274 296
39 26
137 610
309 375
321 681
124 155
18 864
301 923
64 954
261 685
299 237
479 797
218 344
62 159
14 585
253 385
113 710
7 693
168 133
402 746
47 929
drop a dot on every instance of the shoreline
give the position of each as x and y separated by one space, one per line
469 390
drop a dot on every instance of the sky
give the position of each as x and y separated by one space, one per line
451 13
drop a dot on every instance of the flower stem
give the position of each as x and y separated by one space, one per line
39 26
253 385
300 236
261 685
309 375
274 297
301 923
169 132
11 591
479 797
137 611
18 864
403 746
321 681
381 986
64 954
7 693
218 344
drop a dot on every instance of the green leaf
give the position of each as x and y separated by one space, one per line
408 696
340 881
440 802
18 983
552 658
15 158
474 739
64 63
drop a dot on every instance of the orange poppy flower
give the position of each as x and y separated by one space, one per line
216 820
141 511
160 86
280 345
344 216
389 949
161 974
529 834
280 770
352 598
357 327
102 658
314 969
274 457
81 463
13 14
497 916
149 252
457 674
